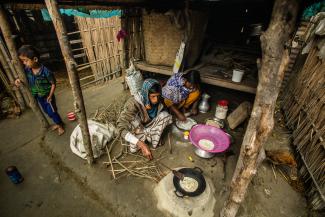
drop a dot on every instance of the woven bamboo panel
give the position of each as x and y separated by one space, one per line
104 52
134 44
304 108
161 39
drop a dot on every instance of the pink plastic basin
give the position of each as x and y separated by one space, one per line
217 136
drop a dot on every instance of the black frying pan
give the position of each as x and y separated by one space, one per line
194 173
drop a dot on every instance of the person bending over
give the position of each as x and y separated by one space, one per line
182 93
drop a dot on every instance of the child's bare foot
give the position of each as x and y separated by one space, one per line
60 130
54 127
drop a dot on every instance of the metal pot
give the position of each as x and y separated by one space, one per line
194 173
204 105
203 154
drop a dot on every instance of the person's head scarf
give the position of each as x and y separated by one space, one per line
175 89
146 86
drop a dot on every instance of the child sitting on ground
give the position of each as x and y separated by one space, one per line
42 84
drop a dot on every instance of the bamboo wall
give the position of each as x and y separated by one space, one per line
304 108
103 51
133 43
161 39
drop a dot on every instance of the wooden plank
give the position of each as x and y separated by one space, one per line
77 41
165 70
208 79
228 84
79 55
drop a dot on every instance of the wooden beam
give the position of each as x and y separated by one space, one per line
274 61
93 4
7 34
38 6
80 110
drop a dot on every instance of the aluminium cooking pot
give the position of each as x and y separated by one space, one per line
193 173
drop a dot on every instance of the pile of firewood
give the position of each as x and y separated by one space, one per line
133 164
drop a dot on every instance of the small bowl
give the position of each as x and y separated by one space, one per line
203 154
71 116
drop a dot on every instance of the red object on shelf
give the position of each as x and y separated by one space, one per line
223 102
71 116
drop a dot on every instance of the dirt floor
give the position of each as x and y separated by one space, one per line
46 190
59 183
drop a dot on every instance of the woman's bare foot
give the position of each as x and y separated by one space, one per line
60 130
54 127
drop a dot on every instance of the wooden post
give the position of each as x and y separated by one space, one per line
13 70
6 31
9 62
80 110
274 61
11 79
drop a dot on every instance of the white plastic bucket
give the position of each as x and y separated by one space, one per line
237 75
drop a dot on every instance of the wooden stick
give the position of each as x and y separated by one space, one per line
110 161
145 167
108 150
136 173
101 78
170 144
136 155
128 161
272 165
115 170
80 110
284 176
129 170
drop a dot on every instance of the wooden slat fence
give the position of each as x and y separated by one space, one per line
99 44
304 108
